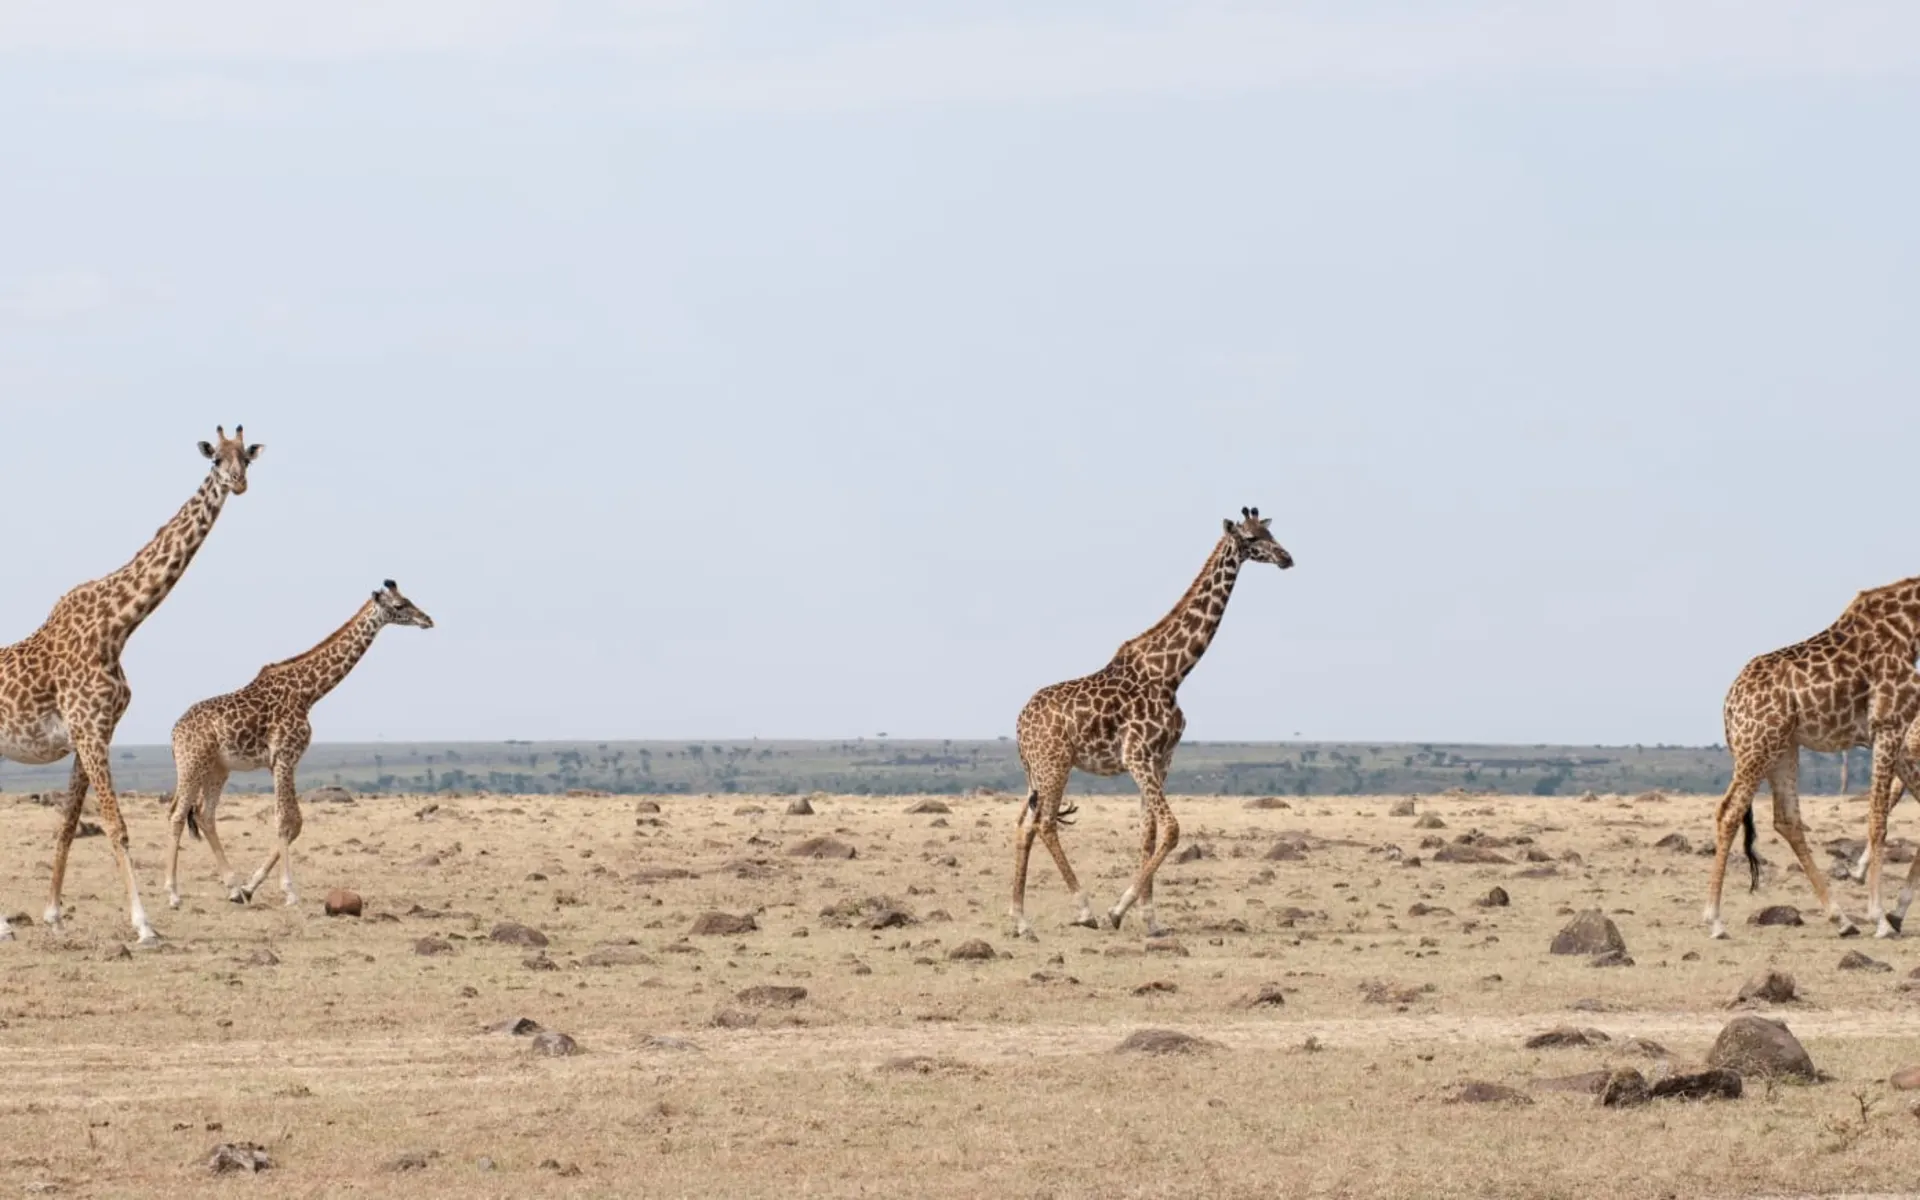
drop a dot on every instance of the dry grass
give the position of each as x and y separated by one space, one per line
903 1072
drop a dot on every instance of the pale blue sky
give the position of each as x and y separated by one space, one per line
727 370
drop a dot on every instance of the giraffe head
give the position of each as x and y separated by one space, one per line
399 610
1254 541
231 456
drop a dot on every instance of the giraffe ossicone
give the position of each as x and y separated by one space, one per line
62 690
1125 717
265 724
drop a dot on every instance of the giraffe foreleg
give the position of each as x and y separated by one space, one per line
1785 784
287 801
1160 833
1888 762
63 841
91 754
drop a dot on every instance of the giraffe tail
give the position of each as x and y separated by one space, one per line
1753 860
1062 816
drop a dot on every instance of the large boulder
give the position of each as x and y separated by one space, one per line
1760 1046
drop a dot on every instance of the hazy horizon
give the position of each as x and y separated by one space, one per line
709 371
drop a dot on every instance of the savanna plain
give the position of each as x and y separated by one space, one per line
761 1002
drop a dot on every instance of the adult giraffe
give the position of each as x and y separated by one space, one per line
62 690
1124 717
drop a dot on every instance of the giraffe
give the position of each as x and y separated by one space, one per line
1852 684
1124 717
264 724
62 690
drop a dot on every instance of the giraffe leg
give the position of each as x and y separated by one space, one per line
1785 785
1859 871
1727 819
209 814
1165 833
287 800
1041 818
1888 762
92 754
63 839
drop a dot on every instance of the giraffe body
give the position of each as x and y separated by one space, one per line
62 690
1852 684
265 724
1126 717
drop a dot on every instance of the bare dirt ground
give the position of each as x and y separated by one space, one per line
363 1065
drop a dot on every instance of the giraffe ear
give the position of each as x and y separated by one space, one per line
391 585
206 449
1232 532
254 450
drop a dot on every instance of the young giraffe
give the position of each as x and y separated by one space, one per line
264 724
1852 684
1124 717
62 690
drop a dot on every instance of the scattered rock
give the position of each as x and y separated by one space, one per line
515 1027
1777 914
1645 1047
1611 958
1566 1035
551 1044
342 903
1906 1079
820 847
1166 945
1457 853
972 950
513 933
1586 1083
1676 842
1479 1091
1267 802
1590 932
617 956
238 1156
1268 995
1404 807
928 808
330 794
1285 852
263 957
666 1041
1760 1046
772 995
1156 986
1772 987
719 924
427 947
1853 960
1715 1084
799 806
1495 898
659 874
1191 852
538 961
1421 908
1430 821
1164 1041
646 806
412 1160
733 1018
1624 1088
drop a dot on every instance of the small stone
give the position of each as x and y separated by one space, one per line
972 950
1156 986
1166 945
1470 853
549 1044
263 957
1164 1041
427 947
1402 808
412 1160
719 924
1430 821
342 903
928 808
515 1027
1590 932
1771 987
1285 852
1268 995
1624 1088
617 956
238 1156
1495 898
1267 803
539 962
1676 842
799 806
513 933
1587 1083
1566 1035
646 806
1645 1047
1611 958
1479 1091
1853 960
1777 914
772 995
820 847
1906 1079
1716 1084
733 1018
1191 852
1759 1046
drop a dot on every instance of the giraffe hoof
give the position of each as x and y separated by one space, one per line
148 940
1848 929
240 896
1086 921
6 934
1895 920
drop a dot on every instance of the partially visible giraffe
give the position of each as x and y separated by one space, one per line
1124 717
1852 684
62 690
264 724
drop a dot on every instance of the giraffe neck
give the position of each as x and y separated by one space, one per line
1173 647
1889 615
136 590
312 675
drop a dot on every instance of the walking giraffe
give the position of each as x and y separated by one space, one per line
1851 684
1124 717
264 724
62 690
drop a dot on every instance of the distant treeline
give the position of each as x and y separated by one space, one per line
884 766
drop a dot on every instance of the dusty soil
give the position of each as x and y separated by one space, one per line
355 1051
